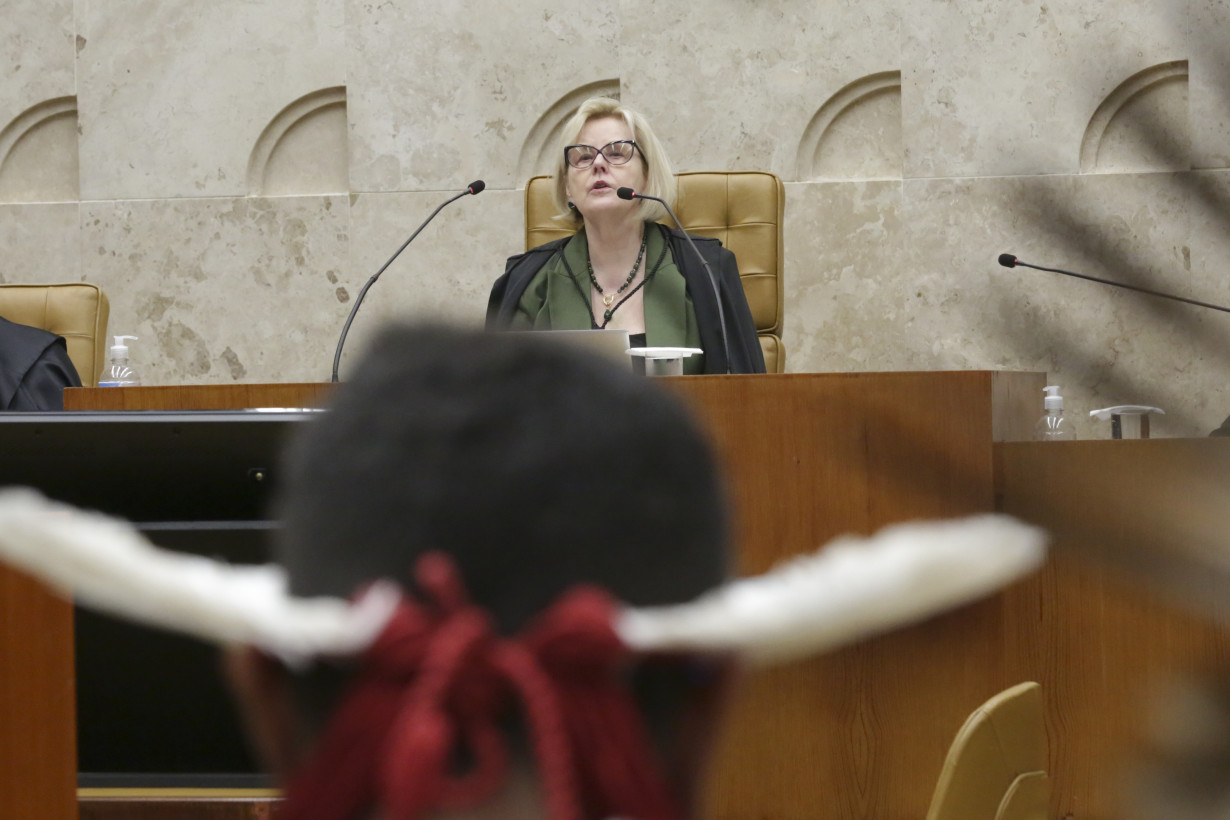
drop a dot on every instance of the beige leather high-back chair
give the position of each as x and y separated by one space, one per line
741 208
996 766
77 311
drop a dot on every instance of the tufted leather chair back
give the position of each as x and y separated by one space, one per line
77 311
741 208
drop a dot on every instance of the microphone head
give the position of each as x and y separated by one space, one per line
1007 260
625 193
476 187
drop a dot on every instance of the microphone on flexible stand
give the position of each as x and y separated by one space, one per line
1010 261
473 189
629 194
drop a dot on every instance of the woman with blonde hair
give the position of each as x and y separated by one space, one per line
621 269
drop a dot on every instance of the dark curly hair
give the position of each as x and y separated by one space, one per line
535 465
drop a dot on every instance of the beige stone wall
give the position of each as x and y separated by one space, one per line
232 172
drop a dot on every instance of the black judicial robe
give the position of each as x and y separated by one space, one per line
34 368
745 353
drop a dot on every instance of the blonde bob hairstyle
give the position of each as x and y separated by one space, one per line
659 175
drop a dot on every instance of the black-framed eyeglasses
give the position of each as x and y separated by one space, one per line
619 152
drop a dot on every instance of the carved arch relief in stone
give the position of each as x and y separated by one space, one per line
538 150
303 150
856 134
38 154
1143 125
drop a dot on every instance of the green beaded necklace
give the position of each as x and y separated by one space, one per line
609 298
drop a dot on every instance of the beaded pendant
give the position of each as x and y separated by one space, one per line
608 298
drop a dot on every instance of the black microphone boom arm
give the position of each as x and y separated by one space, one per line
1010 261
628 193
473 189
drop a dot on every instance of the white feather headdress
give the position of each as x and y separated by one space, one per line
850 589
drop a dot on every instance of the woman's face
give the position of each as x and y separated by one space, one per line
592 190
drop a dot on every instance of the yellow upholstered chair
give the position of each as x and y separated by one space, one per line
996 766
741 208
76 311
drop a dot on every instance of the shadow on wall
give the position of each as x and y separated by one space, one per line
1143 125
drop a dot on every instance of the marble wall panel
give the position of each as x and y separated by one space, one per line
223 290
40 243
1008 88
1210 233
733 86
444 93
173 94
904 276
446 273
36 54
846 300
1103 345
1205 374
1207 37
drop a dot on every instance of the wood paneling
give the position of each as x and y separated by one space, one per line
38 735
149 805
197 396
861 732
1131 598
1133 592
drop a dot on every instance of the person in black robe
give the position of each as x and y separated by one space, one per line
34 368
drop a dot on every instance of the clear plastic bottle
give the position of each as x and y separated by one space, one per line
120 373
1053 426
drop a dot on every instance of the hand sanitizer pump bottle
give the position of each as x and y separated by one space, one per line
1053 426
120 373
